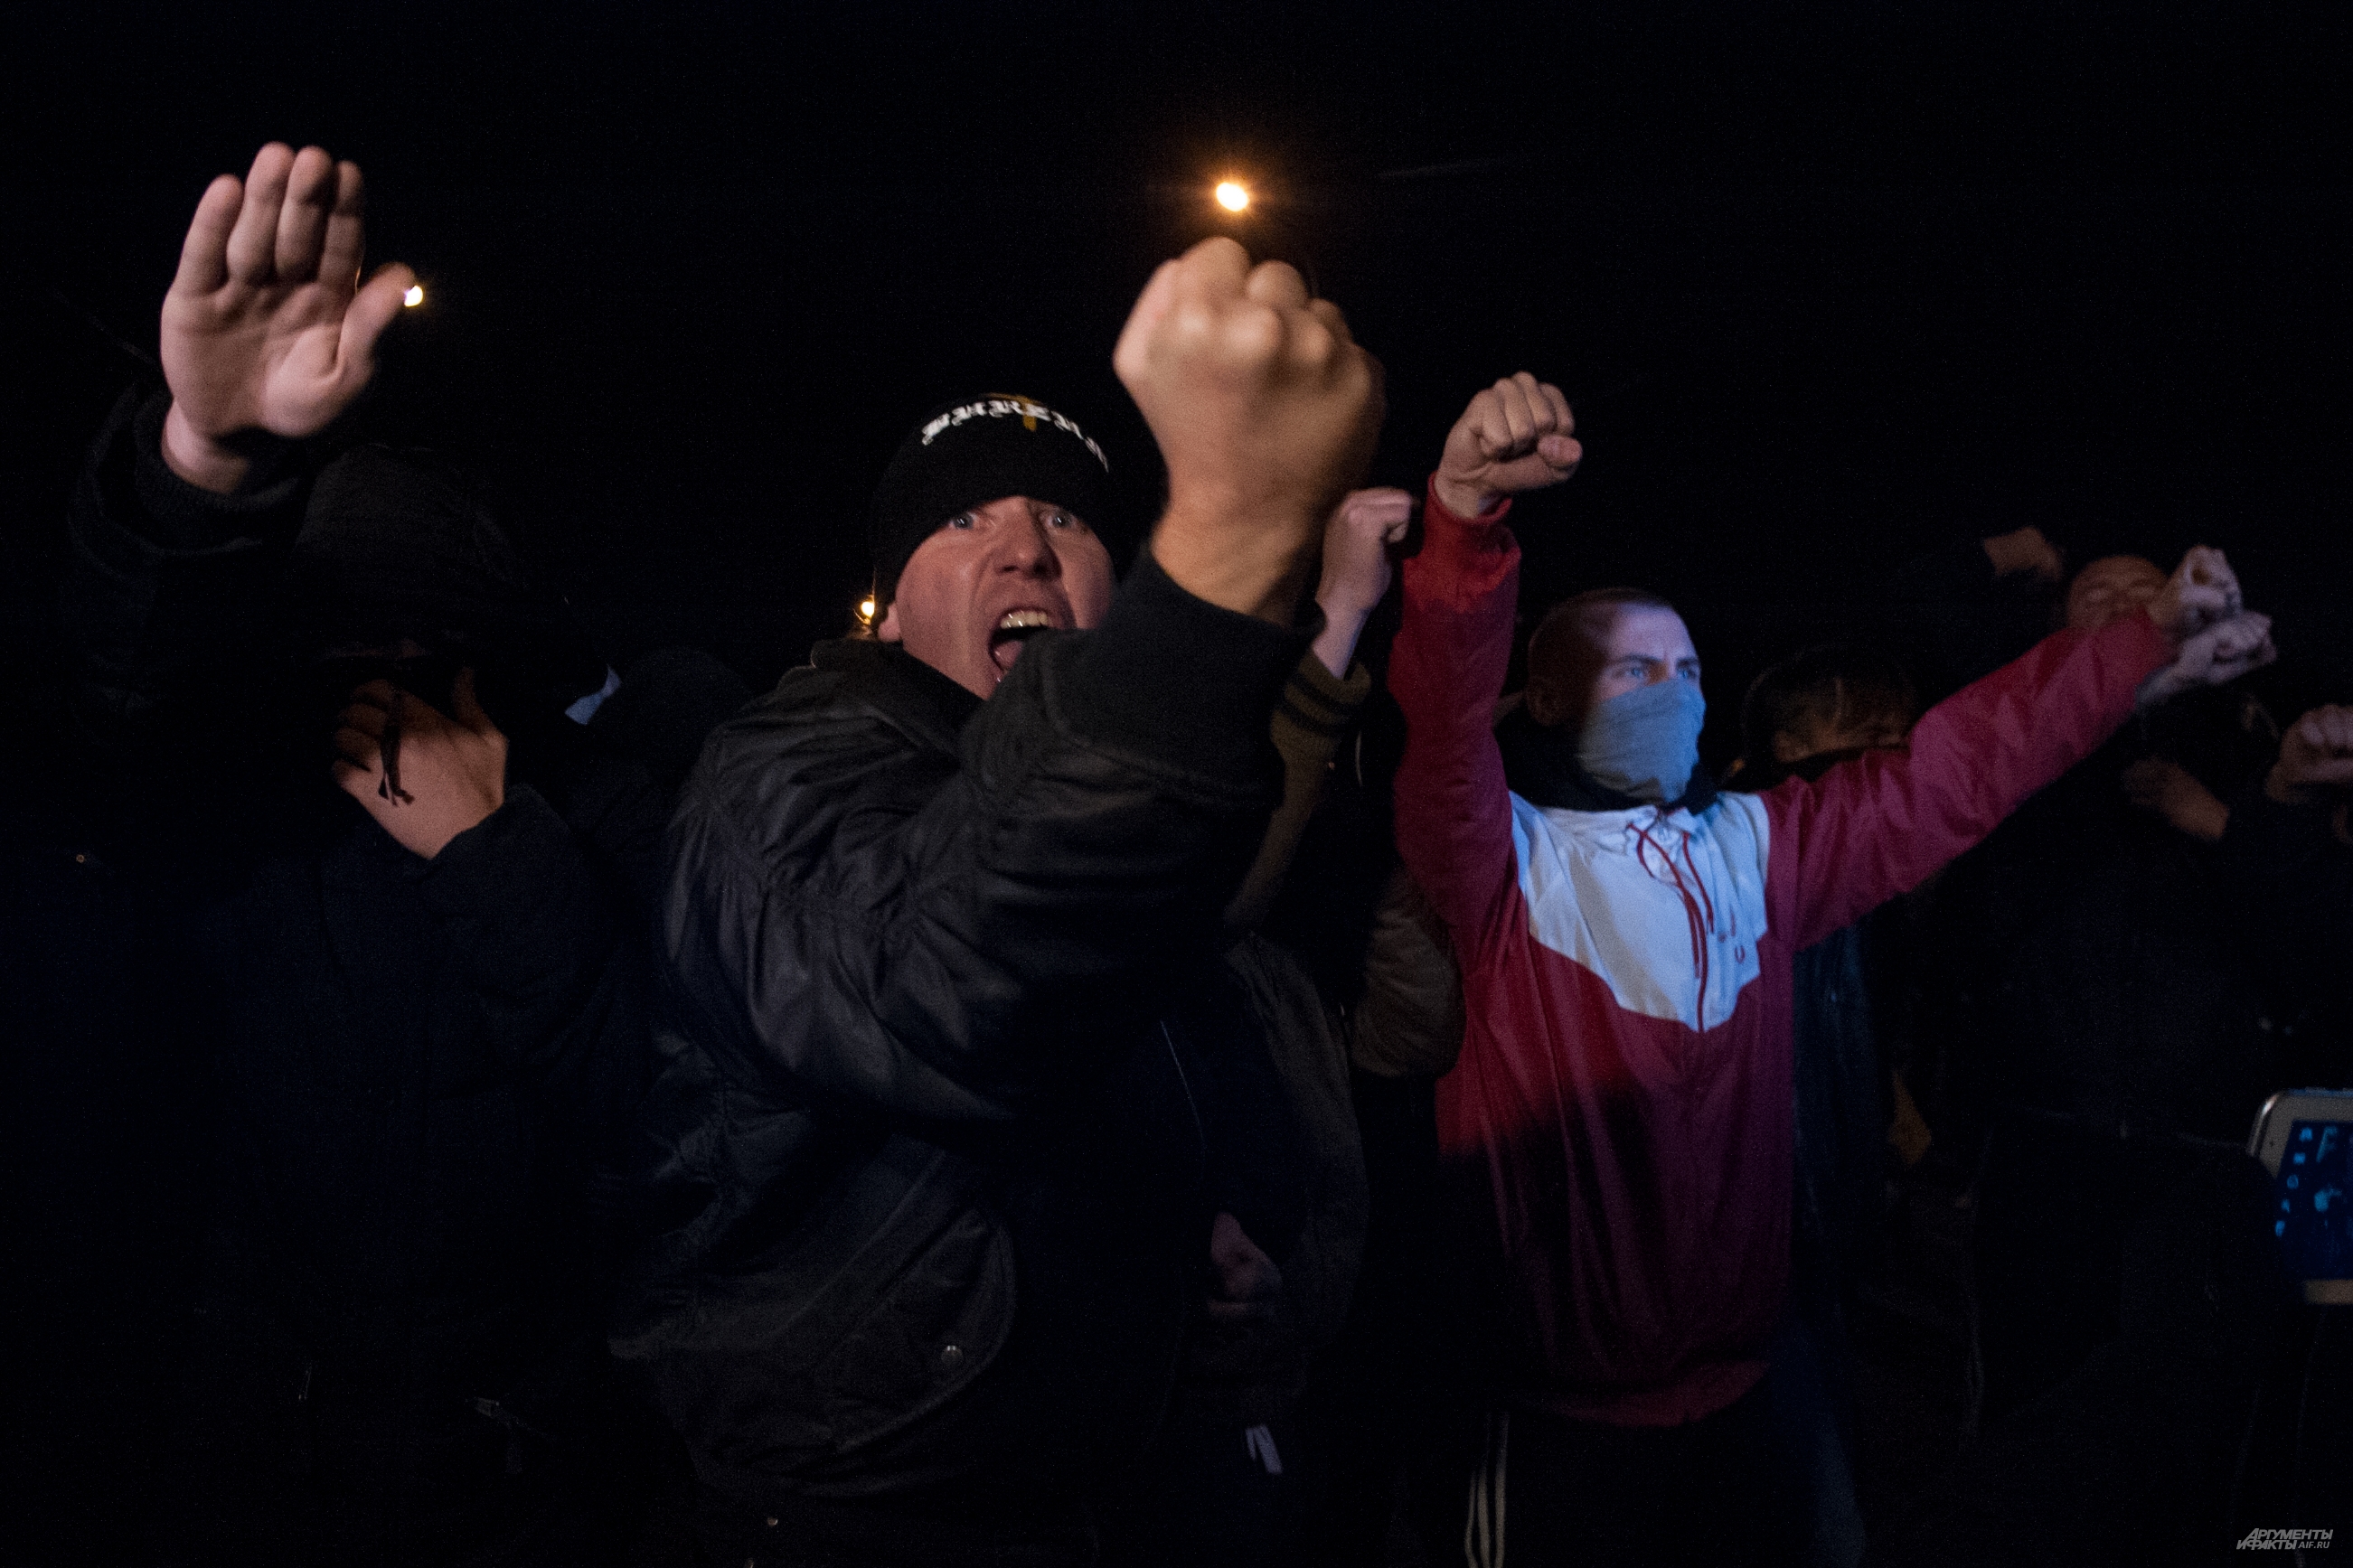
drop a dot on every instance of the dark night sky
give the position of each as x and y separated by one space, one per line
1830 286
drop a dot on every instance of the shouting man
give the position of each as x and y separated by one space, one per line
949 1150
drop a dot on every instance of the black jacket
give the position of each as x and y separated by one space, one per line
425 1072
953 1080
2291 881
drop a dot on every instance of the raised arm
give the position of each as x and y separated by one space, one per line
187 504
1324 692
1878 825
1265 411
267 328
915 933
1446 670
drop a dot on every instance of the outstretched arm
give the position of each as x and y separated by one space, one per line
1453 810
1878 825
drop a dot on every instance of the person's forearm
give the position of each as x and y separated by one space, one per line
1258 572
1453 809
1336 645
1877 827
165 584
1104 805
519 900
1308 723
2203 816
207 463
1466 501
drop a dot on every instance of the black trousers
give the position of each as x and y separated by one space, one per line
1723 1491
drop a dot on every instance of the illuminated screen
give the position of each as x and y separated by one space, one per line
2315 1219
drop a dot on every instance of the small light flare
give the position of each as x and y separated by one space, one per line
1233 195
866 609
414 297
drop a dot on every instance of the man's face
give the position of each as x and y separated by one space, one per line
1637 646
991 577
2110 588
1643 646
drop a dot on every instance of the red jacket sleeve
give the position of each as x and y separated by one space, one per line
1446 670
1878 825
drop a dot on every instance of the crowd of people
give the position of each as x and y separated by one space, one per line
1149 1053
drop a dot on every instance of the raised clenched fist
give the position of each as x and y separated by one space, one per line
2315 756
1516 436
267 326
1358 539
424 775
1265 411
2222 651
2203 591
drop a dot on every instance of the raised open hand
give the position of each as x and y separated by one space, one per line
266 326
1265 411
2315 755
424 775
1516 436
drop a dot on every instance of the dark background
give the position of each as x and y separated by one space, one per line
1829 286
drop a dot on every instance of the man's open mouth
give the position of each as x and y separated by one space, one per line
1017 628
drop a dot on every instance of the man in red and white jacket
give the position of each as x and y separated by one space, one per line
1620 1117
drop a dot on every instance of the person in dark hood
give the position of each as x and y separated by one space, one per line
364 751
964 1132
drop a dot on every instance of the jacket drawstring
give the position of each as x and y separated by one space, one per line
1699 914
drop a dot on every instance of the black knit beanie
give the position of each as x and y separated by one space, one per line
982 449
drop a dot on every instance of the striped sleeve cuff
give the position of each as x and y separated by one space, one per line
1313 702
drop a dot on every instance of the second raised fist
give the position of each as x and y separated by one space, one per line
1518 435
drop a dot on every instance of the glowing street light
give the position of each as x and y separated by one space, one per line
1233 195
414 296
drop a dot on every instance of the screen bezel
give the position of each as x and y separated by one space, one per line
2268 1144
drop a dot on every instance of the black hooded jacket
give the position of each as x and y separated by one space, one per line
424 1069
953 1080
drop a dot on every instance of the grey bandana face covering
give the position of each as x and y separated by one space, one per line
1645 743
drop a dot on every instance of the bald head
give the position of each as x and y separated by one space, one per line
1601 645
2110 588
